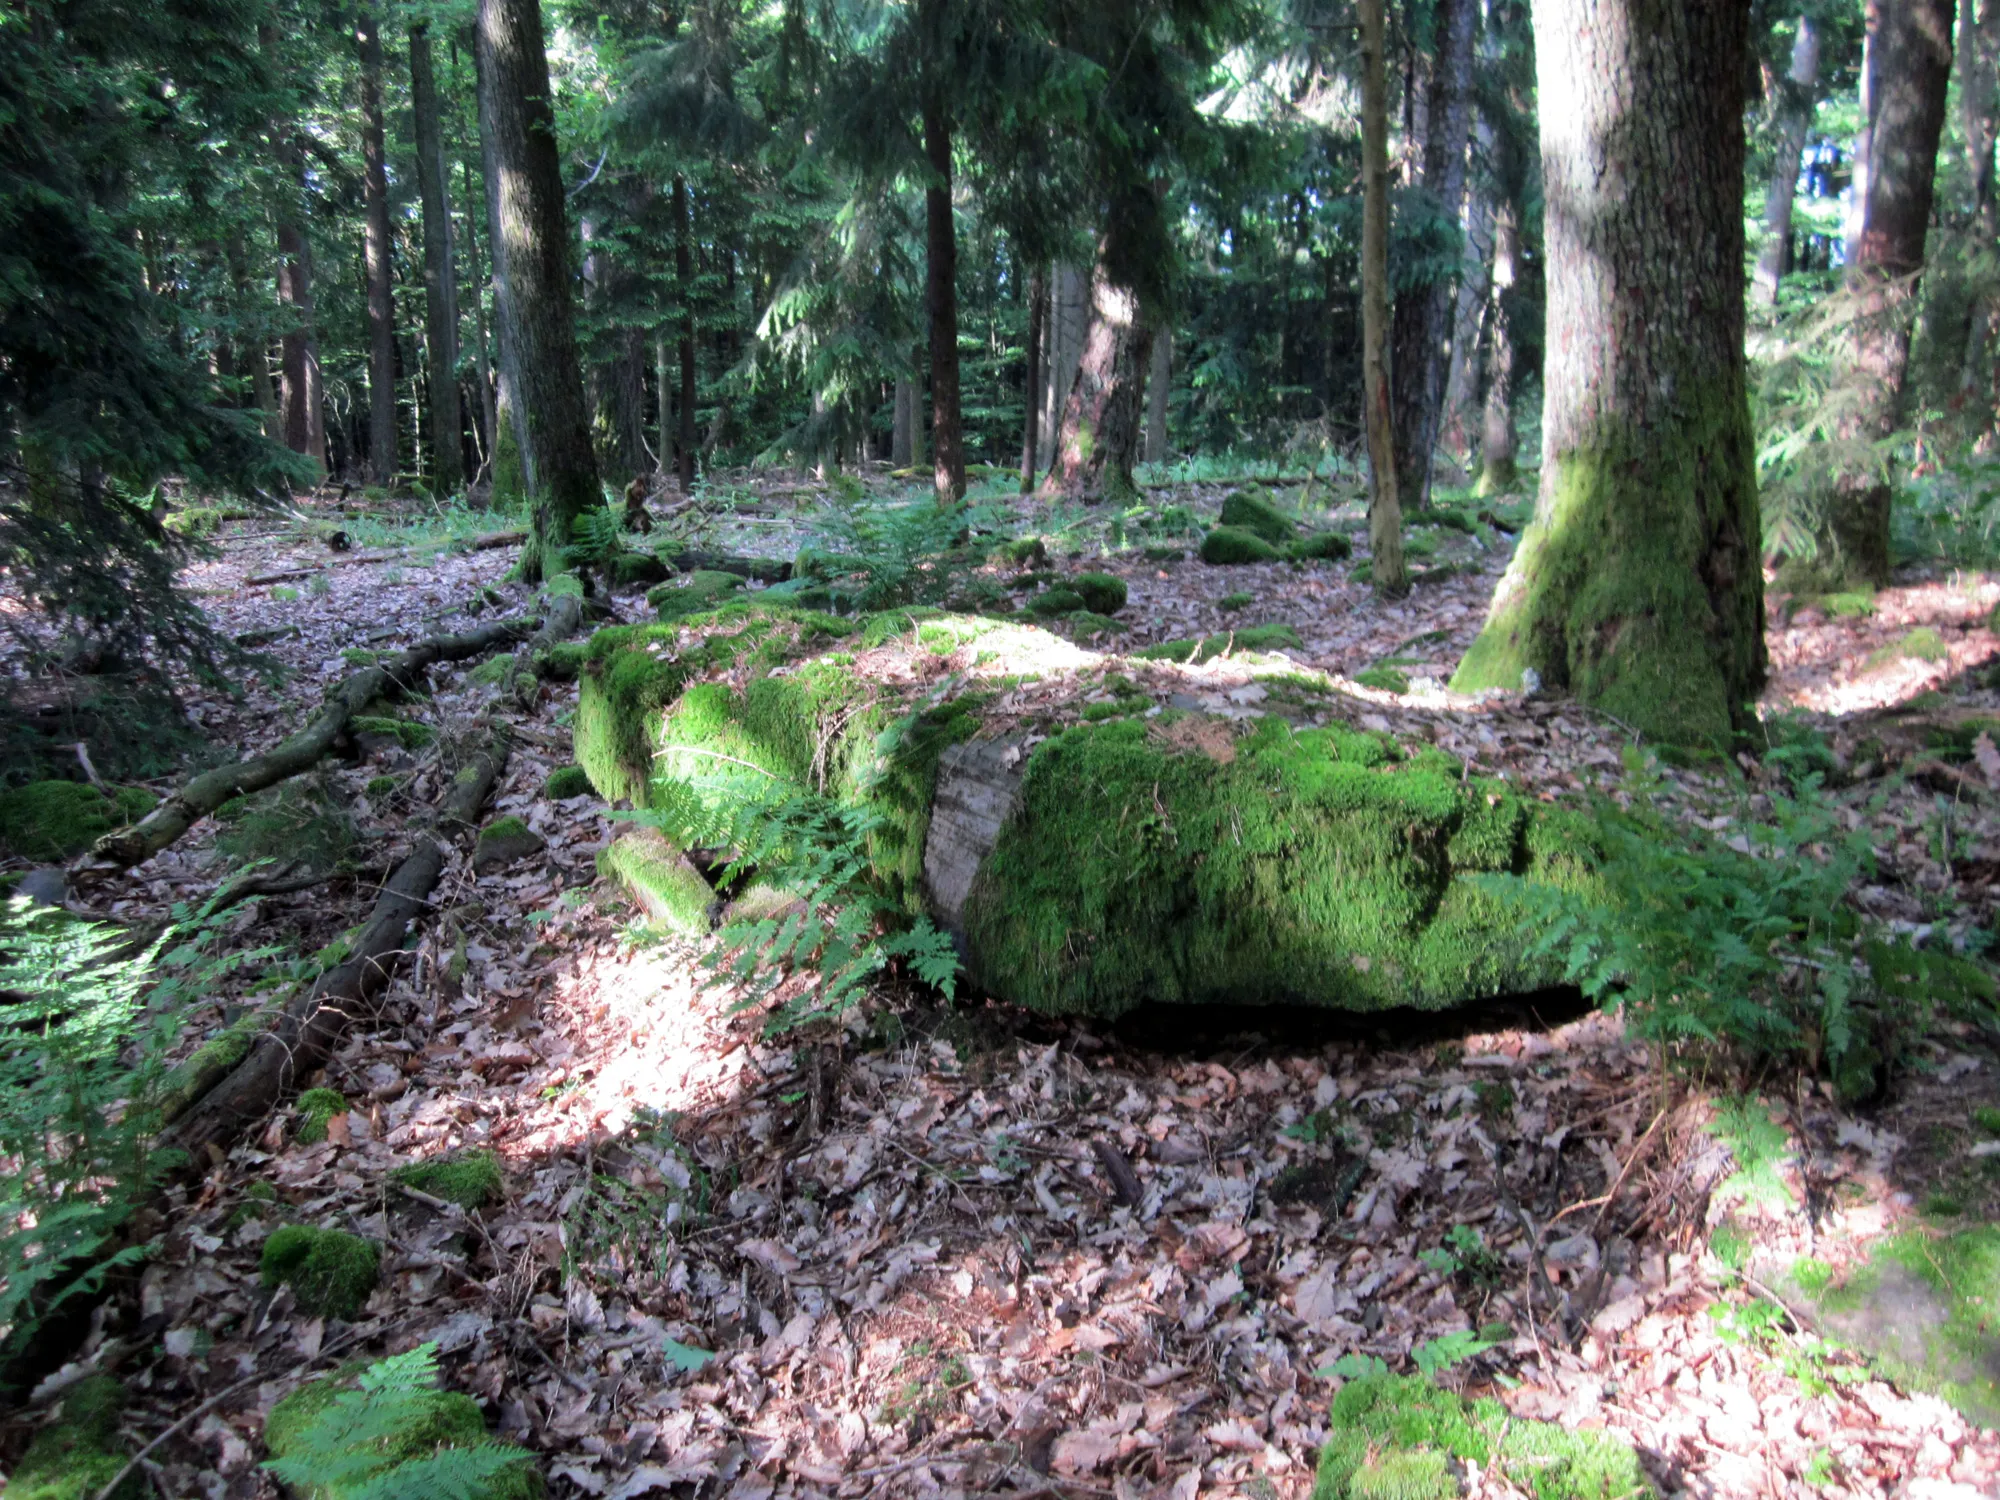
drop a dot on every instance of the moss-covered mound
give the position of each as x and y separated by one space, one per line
1322 546
52 820
1251 510
309 1424
329 1271
1401 1438
566 781
1227 545
471 1179
692 594
1102 593
317 1107
1141 851
78 1454
503 842
1053 602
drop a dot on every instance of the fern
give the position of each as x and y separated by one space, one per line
897 553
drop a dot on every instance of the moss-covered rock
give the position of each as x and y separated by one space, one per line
562 661
495 671
566 781
1238 600
659 877
1321 546
1251 510
407 733
52 820
503 842
1054 602
1256 638
1402 1438
316 1108
1025 552
79 1453
703 590
434 1421
330 1271
471 1179
629 569
1102 593
1228 545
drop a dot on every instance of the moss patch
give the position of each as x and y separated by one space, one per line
471 1179
1102 593
495 671
329 1271
80 1453
1226 643
566 781
1235 601
1921 644
1170 861
1025 552
628 569
660 879
1055 602
698 591
1321 546
503 842
1227 545
52 820
1251 510
1386 679
1401 1438
405 732
316 1107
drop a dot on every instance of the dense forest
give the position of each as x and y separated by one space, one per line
1006 747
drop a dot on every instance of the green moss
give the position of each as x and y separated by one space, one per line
1402 1438
1083 625
1321 546
659 877
1159 554
439 1419
48 821
1228 545
77 1455
566 781
561 585
1251 510
495 671
329 1271
405 732
1388 679
1622 590
630 568
316 1107
1102 593
1235 601
1306 867
1954 742
1856 604
503 841
1987 1118
471 1179
562 661
356 656
1025 552
704 590
1226 643
1055 602
1921 644
383 786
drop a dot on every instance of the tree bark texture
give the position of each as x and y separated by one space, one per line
941 303
375 256
447 422
1102 416
1979 58
1475 281
684 443
1797 95
1068 318
1498 472
616 385
531 253
254 355
1906 72
300 397
1424 312
902 429
1637 586
1158 381
1031 382
1385 515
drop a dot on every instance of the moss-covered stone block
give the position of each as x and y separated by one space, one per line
1102 593
566 781
630 569
1402 1438
53 820
316 1108
1321 546
659 877
1229 545
503 842
699 591
1251 510
330 1271
431 1422
75 1456
1256 638
471 1179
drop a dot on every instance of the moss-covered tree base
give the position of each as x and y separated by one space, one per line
1402 1438
660 880
1128 848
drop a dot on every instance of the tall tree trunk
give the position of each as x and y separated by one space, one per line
440 277
482 367
616 385
1069 308
300 397
1497 470
1907 70
1475 281
1157 382
1385 514
1979 50
532 246
1423 313
902 431
1637 585
684 446
941 303
513 480
1797 95
1103 415
253 353
1031 384
381 291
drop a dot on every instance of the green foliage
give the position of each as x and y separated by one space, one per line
1251 510
47 821
1759 1147
471 1179
408 733
1387 679
316 1107
330 1271
75 1456
1321 546
702 590
300 821
881 554
1235 601
389 1433
1228 545
1101 593
1255 638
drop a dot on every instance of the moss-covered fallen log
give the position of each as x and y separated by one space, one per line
1098 831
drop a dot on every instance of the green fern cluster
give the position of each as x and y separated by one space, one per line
879 554
389 1433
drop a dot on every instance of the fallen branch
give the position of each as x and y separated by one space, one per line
182 809
489 540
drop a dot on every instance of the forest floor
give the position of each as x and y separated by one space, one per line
888 1259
